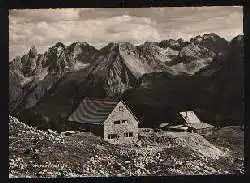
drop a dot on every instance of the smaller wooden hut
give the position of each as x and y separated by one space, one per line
194 124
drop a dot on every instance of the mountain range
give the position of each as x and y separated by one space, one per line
156 79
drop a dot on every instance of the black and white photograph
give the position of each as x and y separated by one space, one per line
121 92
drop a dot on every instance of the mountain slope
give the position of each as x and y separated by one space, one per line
215 92
33 75
169 74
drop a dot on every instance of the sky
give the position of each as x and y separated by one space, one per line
98 26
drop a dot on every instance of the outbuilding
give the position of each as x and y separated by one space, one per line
194 124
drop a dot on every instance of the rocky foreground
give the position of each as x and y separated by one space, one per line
35 153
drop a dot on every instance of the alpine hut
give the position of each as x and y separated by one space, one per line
194 123
110 119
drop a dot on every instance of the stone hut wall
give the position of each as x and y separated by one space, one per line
121 112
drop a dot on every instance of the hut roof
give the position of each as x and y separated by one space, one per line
190 117
199 125
180 127
92 110
162 125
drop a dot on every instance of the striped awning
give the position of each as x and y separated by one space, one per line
93 111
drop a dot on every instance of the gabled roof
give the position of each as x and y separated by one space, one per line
92 110
190 117
129 110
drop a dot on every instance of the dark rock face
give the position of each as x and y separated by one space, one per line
225 87
33 75
205 74
215 92
174 44
212 42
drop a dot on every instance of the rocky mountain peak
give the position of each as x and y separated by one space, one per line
180 40
69 73
81 52
148 43
173 44
205 37
56 49
79 44
120 43
211 36
237 41
15 64
59 44
32 52
115 46
111 46
127 47
213 42
239 37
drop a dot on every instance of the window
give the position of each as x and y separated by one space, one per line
120 121
124 121
120 108
112 136
128 134
116 122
